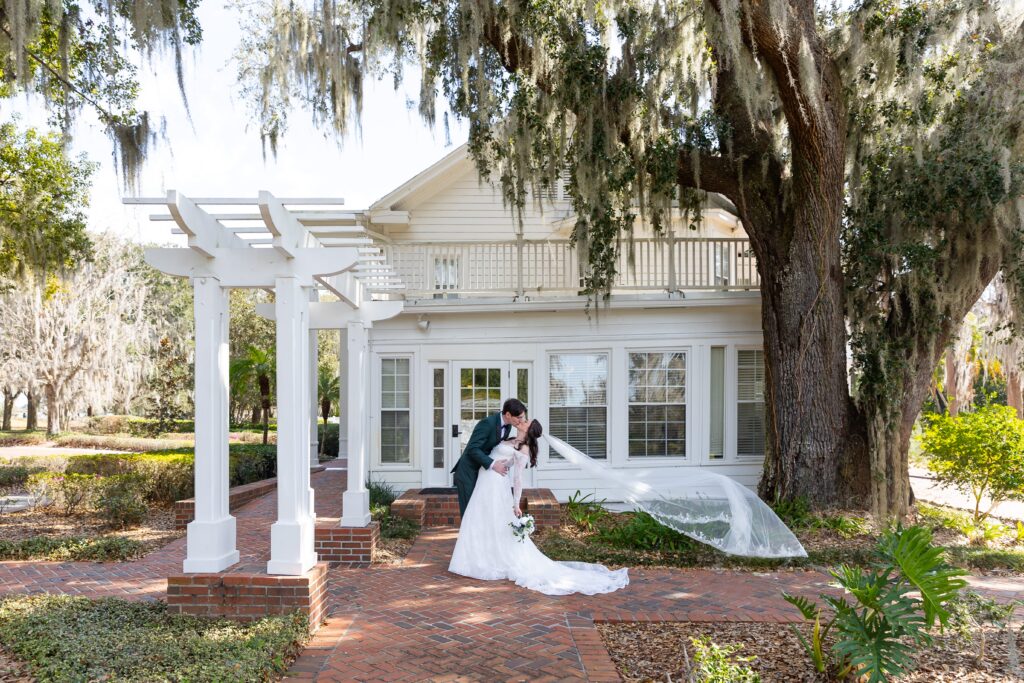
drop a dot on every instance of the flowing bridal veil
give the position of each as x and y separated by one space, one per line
707 507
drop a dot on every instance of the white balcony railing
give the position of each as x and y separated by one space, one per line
550 267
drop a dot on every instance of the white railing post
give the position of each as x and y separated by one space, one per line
211 535
520 288
291 536
671 260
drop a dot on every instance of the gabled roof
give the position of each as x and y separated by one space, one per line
426 182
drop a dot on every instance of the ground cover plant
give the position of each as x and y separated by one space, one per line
633 539
66 638
397 534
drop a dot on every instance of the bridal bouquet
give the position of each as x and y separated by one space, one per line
523 527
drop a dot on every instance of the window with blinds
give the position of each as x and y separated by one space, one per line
750 403
657 404
578 401
394 410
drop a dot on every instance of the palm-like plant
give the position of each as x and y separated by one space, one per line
900 597
257 365
328 388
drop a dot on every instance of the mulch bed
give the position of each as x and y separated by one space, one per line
156 531
655 652
392 550
12 670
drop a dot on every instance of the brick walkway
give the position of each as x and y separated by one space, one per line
415 621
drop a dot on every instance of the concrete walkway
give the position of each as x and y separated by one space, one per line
927 489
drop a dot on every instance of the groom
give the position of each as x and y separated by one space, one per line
486 435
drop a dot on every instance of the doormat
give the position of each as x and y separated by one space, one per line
438 491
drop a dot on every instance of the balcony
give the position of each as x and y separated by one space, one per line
449 270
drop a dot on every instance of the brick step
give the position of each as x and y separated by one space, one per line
442 509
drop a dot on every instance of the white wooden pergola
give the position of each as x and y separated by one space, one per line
295 252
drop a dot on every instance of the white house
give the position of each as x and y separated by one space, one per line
669 376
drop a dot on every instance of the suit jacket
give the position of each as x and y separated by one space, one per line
482 441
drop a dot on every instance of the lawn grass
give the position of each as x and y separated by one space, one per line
68 638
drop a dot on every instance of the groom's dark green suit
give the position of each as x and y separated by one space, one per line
485 437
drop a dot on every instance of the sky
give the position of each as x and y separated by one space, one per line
218 152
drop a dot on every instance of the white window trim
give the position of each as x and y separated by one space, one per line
544 459
692 457
378 407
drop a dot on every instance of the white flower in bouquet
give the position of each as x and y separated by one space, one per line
523 527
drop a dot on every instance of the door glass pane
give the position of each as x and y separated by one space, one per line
439 418
481 396
523 386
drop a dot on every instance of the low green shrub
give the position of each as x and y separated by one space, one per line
134 426
121 499
128 444
15 475
381 493
66 638
795 513
584 510
72 549
970 610
718 664
66 492
392 526
643 532
22 438
886 611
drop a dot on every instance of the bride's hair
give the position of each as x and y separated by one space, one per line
533 434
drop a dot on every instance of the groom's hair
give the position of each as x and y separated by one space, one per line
514 407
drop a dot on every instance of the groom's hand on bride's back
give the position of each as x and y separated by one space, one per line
500 467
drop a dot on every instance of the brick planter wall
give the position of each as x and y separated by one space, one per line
250 596
185 510
341 546
443 509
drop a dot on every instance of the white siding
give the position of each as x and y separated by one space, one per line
526 336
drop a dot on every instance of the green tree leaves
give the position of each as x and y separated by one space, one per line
43 195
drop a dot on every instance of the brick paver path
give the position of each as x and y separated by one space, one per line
415 621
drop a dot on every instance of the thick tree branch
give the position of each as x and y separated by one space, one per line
705 171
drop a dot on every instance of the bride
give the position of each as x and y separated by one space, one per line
488 549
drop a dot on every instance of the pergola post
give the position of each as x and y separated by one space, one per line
314 392
211 535
291 536
356 501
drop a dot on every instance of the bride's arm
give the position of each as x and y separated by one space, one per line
517 480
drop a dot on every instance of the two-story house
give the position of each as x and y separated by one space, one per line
667 377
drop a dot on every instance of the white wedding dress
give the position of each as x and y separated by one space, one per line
487 549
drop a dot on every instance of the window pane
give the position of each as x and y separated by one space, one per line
657 404
395 433
523 386
578 395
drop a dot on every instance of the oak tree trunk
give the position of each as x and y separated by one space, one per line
1013 392
31 412
9 396
53 411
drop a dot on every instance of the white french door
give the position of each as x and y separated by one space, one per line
463 393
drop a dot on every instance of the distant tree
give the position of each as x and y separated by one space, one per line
43 196
328 393
257 367
80 335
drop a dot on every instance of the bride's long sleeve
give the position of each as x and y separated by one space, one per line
517 478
